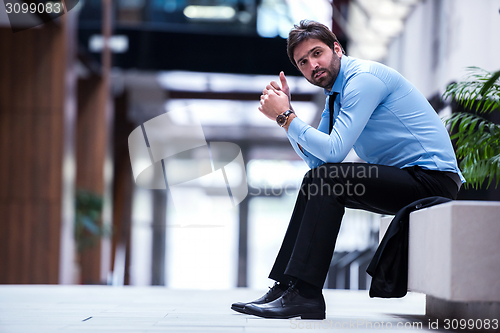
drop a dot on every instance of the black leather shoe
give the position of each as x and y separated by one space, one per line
273 293
290 305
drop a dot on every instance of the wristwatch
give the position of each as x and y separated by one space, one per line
282 118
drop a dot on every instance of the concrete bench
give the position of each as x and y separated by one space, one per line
454 258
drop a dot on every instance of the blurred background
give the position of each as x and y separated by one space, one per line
73 89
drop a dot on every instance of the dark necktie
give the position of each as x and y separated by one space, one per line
331 100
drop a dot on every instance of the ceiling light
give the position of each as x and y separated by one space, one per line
209 12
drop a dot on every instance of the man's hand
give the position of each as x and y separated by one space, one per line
275 99
284 85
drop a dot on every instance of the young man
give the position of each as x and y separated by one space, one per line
389 124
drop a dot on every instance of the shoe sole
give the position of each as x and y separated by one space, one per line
317 315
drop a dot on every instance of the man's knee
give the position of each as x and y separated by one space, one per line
339 179
321 172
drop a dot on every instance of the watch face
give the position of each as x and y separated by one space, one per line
281 120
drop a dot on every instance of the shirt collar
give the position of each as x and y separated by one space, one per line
337 86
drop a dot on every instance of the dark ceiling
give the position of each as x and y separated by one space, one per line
166 50
161 37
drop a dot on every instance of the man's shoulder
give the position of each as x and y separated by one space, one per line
357 66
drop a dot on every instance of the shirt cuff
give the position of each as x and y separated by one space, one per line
296 128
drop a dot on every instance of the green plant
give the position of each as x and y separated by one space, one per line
88 229
477 139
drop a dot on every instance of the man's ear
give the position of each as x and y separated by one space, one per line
337 49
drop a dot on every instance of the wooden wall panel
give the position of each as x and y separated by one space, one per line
93 135
32 127
91 148
123 184
4 152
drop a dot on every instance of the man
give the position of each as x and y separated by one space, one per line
389 124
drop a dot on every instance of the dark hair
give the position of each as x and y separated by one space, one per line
310 30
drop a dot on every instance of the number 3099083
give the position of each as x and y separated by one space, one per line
48 7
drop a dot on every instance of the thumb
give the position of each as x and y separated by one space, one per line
284 84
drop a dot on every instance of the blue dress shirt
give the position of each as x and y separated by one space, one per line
382 116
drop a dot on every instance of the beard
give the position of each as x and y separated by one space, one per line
325 77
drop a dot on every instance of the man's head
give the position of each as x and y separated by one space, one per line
316 52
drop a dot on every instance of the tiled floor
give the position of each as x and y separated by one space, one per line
41 309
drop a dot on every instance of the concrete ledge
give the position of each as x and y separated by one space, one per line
444 309
454 257
454 251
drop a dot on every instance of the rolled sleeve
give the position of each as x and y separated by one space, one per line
297 128
310 159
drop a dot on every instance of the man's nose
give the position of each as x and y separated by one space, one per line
314 64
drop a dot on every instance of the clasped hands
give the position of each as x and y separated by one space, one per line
275 99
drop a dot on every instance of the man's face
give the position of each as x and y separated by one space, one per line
318 63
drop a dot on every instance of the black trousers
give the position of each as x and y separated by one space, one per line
307 249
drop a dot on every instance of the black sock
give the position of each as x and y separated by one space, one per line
287 282
307 290
284 285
